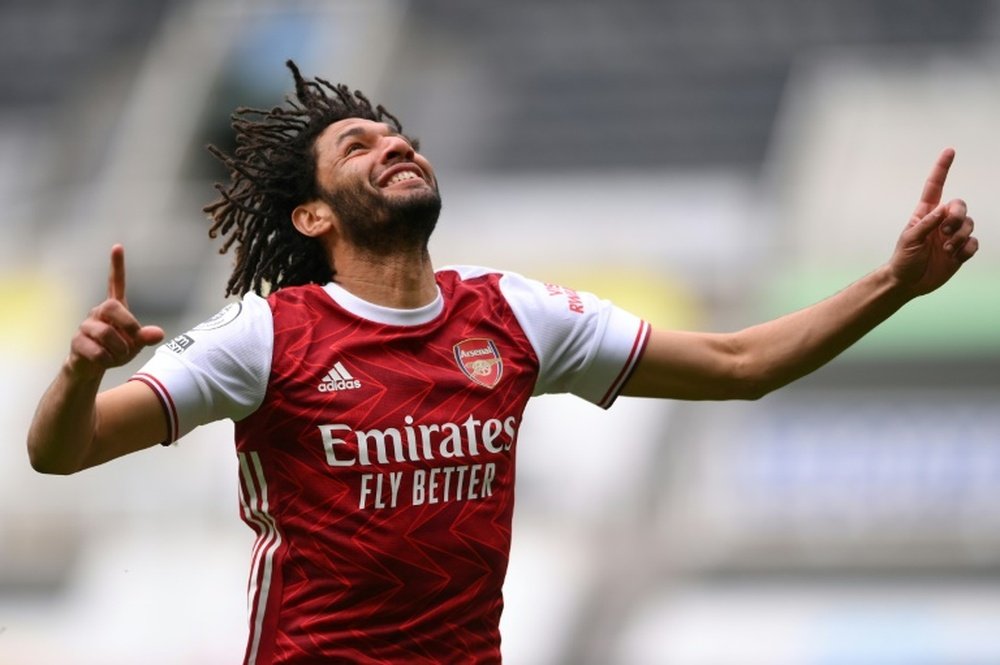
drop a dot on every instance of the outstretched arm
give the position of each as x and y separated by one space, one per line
750 363
75 426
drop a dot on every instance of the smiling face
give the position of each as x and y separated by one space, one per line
380 188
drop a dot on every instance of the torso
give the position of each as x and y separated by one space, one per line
379 476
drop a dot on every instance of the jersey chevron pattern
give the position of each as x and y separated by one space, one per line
377 464
382 511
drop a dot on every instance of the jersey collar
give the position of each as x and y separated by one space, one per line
385 315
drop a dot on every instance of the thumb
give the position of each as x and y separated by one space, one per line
149 335
926 224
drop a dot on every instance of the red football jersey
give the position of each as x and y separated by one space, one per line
377 456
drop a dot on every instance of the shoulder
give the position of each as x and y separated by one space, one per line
292 306
525 293
239 324
291 295
234 318
471 276
464 273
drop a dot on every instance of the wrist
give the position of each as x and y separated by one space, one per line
80 370
893 286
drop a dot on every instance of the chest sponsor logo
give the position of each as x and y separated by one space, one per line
479 359
414 463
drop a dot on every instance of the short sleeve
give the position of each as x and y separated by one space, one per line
219 369
585 345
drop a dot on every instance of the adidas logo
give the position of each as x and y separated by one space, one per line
338 378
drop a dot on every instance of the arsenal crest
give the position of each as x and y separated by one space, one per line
480 360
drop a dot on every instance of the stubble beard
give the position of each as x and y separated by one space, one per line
382 225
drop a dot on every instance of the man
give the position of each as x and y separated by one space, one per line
377 400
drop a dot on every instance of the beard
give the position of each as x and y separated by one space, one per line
383 225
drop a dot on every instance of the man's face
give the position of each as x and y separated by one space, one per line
382 190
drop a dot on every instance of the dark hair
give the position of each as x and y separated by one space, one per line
272 170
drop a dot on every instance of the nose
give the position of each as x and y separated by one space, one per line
396 147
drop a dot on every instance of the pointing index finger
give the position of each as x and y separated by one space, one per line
934 186
116 274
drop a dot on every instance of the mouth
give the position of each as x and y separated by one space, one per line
402 174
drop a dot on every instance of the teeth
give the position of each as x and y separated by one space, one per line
401 176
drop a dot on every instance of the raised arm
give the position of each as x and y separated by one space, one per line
75 426
750 363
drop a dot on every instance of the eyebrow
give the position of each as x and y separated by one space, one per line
361 131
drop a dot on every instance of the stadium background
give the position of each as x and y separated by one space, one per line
706 163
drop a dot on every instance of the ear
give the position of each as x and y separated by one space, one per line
313 218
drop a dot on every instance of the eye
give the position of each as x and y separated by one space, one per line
354 146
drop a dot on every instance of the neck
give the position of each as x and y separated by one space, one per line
398 281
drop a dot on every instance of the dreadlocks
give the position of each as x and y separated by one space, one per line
272 170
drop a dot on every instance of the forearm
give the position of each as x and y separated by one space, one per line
778 352
757 360
62 432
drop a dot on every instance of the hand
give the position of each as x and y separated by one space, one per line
110 336
938 238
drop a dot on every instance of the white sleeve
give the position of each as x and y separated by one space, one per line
218 369
585 346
